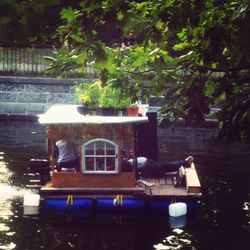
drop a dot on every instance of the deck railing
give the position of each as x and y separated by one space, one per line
27 61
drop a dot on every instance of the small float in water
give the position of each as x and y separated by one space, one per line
103 181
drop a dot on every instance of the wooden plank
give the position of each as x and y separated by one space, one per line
192 180
170 191
34 181
135 190
162 181
80 180
87 196
34 186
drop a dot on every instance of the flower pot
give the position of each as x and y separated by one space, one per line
109 112
132 111
83 110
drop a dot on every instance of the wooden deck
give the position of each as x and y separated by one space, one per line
148 188
156 188
165 187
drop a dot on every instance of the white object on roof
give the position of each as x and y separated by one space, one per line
68 114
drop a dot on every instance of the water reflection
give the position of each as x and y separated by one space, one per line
14 140
7 193
178 240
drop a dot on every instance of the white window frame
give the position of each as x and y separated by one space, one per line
95 156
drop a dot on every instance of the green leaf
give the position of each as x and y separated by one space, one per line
120 15
68 13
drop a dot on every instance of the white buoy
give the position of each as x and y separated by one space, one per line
31 204
177 209
31 200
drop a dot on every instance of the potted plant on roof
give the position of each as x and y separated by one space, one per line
95 90
108 100
115 102
127 105
89 95
83 97
132 109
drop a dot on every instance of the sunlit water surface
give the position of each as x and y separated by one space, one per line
222 222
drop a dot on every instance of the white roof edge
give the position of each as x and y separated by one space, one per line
68 114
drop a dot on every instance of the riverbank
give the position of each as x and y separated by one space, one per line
34 95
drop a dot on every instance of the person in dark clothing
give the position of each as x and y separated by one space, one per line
128 40
148 168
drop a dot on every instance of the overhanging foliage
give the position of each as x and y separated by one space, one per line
195 53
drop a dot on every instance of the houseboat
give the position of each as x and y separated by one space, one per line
104 180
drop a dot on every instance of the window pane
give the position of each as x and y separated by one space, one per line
100 151
100 164
89 161
100 148
89 152
110 164
110 151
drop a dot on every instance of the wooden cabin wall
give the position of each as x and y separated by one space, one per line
59 180
121 134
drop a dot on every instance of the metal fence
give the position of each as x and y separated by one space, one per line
28 61
24 60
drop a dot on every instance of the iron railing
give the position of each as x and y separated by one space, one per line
27 61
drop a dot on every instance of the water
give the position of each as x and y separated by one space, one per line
222 222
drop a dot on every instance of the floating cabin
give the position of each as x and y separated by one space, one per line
104 180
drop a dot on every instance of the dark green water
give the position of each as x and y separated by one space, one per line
222 222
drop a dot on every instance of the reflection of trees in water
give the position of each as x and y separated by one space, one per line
91 237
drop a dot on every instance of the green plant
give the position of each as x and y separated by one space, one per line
113 97
109 97
89 93
82 94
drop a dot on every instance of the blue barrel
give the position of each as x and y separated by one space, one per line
127 204
163 205
62 204
158 206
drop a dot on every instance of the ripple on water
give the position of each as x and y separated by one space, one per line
8 246
178 240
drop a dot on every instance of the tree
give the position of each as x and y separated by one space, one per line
28 22
195 53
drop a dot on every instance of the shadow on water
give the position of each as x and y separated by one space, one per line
222 221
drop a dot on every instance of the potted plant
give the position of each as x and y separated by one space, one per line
83 97
113 101
132 109
89 95
110 100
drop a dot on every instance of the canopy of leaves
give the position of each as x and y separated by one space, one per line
26 22
194 53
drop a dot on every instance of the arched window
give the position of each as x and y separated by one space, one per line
100 156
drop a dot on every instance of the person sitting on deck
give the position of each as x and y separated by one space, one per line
67 158
148 168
